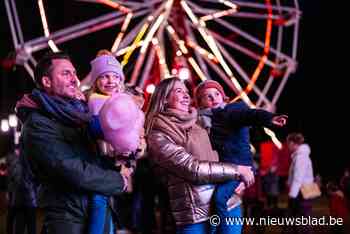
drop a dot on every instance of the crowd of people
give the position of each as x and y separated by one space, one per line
94 163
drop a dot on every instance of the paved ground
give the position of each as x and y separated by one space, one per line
320 209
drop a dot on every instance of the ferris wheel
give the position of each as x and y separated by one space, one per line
250 46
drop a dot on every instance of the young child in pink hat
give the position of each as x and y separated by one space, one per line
117 120
228 128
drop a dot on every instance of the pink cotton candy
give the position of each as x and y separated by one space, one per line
119 111
121 122
123 140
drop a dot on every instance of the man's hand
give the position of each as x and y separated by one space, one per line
126 171
126 174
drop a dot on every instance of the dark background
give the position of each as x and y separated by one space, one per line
312 97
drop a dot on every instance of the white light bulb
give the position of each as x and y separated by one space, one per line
184 73
5 125
150 88
13 122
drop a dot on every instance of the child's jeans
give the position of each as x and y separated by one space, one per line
99 215
196 228
229 219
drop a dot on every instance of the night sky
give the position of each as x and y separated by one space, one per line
309 98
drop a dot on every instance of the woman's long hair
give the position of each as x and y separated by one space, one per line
159 100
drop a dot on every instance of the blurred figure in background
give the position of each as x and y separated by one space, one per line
300 173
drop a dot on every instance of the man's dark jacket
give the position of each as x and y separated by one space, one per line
64 160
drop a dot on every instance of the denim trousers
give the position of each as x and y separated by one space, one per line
228 224
99 216
196 228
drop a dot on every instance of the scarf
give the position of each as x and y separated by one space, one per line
182 128
176 123
206 115
71 112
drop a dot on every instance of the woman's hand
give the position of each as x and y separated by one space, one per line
247 174
279 120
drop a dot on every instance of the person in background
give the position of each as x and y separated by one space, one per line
23 191
300 172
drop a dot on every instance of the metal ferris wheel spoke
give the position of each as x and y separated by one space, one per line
16 31
252 39
207 45
29 70
241 49
88 23
270 79
17 22
197 54
281 86
129 4
130 36
264 91
64 36
228 81
166 6
238 14
148 67
256 5
242 73
210 42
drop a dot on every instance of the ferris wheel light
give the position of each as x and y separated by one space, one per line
184 73
150 88
84 87
154 41
206 49
5 127
13 122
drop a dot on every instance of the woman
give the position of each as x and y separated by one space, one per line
300 173
182 154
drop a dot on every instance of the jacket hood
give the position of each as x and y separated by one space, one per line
25 106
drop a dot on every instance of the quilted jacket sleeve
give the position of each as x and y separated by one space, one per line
61 162
174 158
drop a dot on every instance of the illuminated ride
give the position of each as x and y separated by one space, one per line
250 46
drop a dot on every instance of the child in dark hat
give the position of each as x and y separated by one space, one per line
228 128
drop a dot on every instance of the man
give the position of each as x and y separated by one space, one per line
56 142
